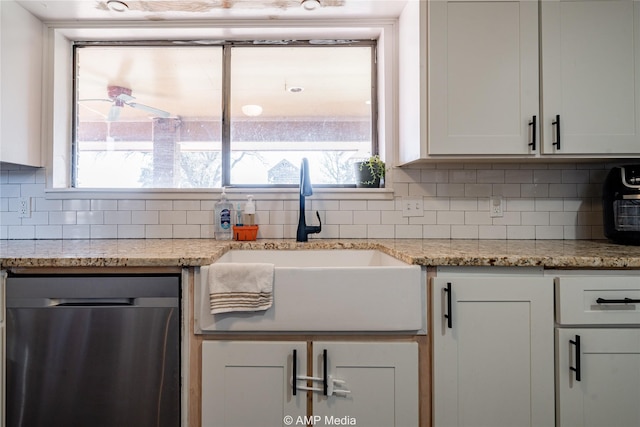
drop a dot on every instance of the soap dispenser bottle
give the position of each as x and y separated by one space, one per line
222 218
249 212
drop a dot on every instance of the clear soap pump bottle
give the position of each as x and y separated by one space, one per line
249 212
222 218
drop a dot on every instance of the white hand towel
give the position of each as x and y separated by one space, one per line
240 287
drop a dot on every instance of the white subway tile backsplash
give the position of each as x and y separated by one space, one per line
63 217
534 218
492 232
547 176
434 175
385 231
477 218
104 205
173 217
563 190
90 217
76 231
159 205
525 232
478 190
186 231
549 232
339 217
117 217
549 205
48 232
436 231
534 190
191 205
148 217
353 205
128 231
450 190
22 232
366 217
104 231
542 201
199 217
134 205
408 231
464 232
518 176
76 205
158 231
352 231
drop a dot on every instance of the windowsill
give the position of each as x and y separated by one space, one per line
199 194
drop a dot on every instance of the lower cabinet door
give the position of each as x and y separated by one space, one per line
374 384
248 384
493 358
598 377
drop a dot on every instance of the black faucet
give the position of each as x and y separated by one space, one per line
305 190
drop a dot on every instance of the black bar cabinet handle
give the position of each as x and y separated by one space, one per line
557 125
325 377
295 372
577 368
448 315
533 123
618 301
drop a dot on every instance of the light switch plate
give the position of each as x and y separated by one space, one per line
412 206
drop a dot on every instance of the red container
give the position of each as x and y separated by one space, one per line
245 232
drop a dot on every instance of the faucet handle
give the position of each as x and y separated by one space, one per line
313 229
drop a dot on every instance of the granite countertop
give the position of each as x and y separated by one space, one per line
427 252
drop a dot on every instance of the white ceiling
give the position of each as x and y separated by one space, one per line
166 10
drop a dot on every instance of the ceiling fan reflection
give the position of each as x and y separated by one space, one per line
120 97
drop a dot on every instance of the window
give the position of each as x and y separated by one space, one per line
206 115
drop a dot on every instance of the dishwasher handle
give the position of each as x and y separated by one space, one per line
91 302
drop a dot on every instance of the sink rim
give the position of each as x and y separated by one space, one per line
315 258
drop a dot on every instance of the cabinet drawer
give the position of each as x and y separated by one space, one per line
598 299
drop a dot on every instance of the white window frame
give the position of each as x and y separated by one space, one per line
58 95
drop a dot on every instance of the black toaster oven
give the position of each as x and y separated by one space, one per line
621 204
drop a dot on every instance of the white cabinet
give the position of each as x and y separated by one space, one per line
598 348
21 42
606 389
249 383
482 61
493 358
483 77
590 78
382 379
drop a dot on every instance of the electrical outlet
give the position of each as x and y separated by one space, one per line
412 207
496 206
24 207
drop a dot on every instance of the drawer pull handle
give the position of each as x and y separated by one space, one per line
577 369
448 315
618 301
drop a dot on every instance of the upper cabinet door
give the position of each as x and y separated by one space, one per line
483 77
591 76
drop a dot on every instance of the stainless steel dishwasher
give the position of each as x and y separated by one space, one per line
100 351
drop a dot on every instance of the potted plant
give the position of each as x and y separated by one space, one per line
370 172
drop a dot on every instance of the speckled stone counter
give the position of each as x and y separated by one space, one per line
428 252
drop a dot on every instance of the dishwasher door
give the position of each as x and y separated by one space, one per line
100 351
